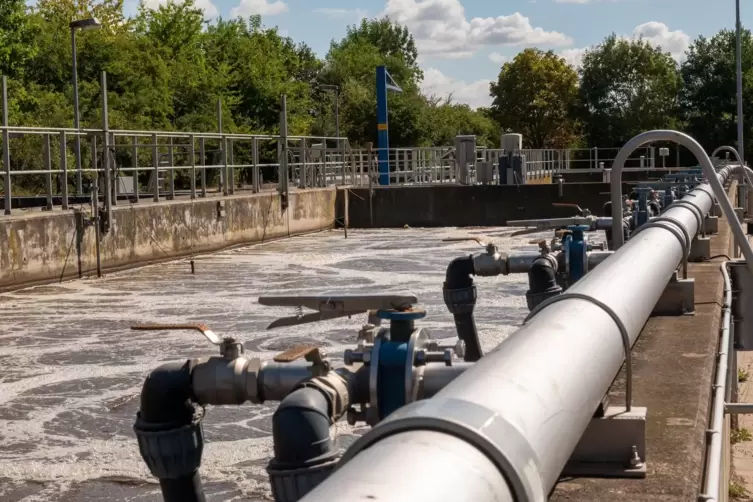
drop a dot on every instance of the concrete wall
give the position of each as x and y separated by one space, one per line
462 206
44 247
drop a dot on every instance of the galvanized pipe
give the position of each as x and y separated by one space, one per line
708 169
526 404
712 481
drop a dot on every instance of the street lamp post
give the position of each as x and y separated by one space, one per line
739 64
80 24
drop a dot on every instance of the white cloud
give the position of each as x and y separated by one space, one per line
496 57
441 28
574 57
210 10
658 34
262 7
342 13
474 94
655 33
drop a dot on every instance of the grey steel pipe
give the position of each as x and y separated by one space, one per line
712 480
708 170
526 404
743 170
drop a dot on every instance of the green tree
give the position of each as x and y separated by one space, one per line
627 87
535 95
17 33
709 95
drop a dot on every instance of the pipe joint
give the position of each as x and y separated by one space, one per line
335 388
490 264
171 453
460 301
481 427
220 381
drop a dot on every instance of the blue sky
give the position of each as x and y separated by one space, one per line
462 43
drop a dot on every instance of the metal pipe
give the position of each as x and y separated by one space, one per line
6 146
738 408
708 169
76 118
526 404
712 480
739 79
743 171
437 376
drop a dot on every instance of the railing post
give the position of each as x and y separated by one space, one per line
255 161
113 171
171 167
64 169
135 156
202 163
231 168
48 169
302 176
6 146
155 162
192 159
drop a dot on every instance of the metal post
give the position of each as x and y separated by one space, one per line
740 140
383 137
155 163
303 175
64 170
202 163
255 161
6 147
76 117
223 177
231 169
192 160
223 152
48 168
113 171
95 206
135 155
371 183
171 161
283 172
106 151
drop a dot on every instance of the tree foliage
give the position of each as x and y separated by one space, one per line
709 95
535 95
627 87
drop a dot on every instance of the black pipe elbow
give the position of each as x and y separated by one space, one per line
303 450
542 281
169 433
460 298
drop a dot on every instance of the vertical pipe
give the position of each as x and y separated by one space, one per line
202 163
303 178
192 160
155 163
64 170
739 65
113 170
224 166
135 156
371 184
171 162
6 147
48 169
222 146
383 136
106 151
76 118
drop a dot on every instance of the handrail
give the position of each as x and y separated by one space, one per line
712 479
708 171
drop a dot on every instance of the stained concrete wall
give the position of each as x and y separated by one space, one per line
464 206
48 246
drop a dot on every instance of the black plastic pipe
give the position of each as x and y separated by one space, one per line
168 428
542 281
460 298
304 455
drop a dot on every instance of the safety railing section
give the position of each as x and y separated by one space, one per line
41 162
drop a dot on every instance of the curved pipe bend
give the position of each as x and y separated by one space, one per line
460 298
708 170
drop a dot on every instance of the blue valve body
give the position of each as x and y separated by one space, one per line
575 247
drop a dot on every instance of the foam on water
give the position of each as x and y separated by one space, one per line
72 370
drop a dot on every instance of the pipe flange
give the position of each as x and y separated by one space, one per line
171 453
481 427
620 325
373 416
418 340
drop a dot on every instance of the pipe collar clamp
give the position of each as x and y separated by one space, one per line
481 427
620 325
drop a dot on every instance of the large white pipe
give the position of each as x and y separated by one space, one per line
526 404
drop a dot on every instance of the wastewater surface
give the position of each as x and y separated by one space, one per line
71 369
